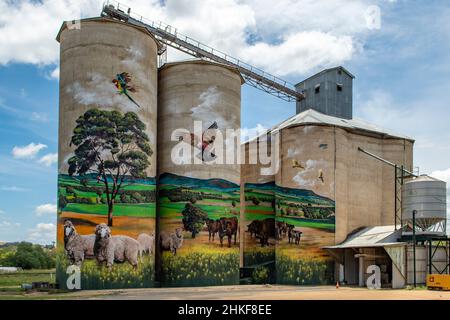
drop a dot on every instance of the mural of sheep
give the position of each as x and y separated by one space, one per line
112 249
171 241
78 247
146 243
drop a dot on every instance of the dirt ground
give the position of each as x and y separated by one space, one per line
250 292
85 224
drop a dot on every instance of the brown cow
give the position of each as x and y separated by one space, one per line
213 228
228 227
266 231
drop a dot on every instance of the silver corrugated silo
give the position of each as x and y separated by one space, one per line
427 196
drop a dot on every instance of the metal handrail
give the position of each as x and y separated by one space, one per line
166 28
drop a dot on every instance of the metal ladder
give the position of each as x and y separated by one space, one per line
170 36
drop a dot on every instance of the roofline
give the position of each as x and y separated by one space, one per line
106 19
373 245
368 133
326 70
202 61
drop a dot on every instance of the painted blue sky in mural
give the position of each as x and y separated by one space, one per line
402 80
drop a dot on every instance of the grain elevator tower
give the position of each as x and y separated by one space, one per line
329 91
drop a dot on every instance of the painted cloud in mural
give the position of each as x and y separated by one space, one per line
99 90
209 103
309 177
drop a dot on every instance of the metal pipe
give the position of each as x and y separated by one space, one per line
395 198
430 256
414 246
385 161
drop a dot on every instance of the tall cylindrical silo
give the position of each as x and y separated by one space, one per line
258 221
426 196
199 176
304 202
107 154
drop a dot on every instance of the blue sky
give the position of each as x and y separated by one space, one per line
402 79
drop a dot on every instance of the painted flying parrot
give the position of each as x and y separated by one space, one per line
206 140
122 83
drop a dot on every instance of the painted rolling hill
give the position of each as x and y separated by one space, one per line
215 184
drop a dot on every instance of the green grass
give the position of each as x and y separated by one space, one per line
308 224
261 208
16 279
173 210
255 216
126 210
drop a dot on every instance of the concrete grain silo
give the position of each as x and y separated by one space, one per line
198 204
258 208
327 189
107 147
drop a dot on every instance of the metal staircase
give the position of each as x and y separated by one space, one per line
170 36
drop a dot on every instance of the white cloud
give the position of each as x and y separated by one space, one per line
42 233
2 211
13 189
39 117
291 36
444 175
28 29
300 53
47 208
7 224
27 152
55 74
48 159
250 133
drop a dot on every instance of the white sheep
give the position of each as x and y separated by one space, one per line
112 249
78 247
146 243
171 241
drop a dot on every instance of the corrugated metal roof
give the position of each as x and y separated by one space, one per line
325 71
380 236
314 117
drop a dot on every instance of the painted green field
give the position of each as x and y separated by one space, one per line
134 210
298 222
173 210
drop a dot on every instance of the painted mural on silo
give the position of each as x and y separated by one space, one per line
107 156
199 195
305 206
258 219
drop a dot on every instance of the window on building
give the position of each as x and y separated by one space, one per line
339 87
317 88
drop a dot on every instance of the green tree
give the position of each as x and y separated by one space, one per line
29 256
112 146
193 218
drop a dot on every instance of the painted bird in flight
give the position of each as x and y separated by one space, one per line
321 176
122 83
297 164
207 140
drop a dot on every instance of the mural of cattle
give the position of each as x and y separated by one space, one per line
227 228
213 228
